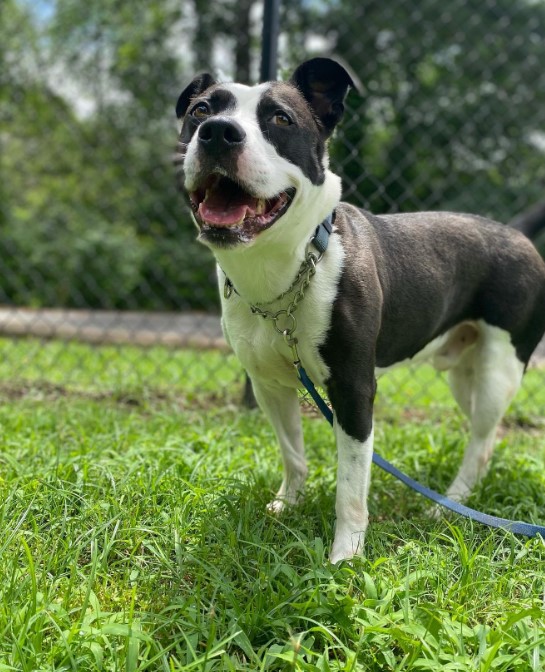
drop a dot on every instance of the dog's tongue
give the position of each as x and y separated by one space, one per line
226 205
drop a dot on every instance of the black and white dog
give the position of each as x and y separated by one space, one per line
462 291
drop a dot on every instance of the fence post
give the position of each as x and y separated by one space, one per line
269 47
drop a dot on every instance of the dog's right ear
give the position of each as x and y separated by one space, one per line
199 84
324 83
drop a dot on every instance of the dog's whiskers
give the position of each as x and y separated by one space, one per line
178 158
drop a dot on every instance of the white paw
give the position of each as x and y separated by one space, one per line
459 491
277 506
346 545
286 496
281 503
437 512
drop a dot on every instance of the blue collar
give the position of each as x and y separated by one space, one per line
320 240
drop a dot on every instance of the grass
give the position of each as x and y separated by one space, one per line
134 534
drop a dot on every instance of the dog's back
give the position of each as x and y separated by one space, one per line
448 268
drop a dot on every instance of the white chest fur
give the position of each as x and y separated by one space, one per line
262 351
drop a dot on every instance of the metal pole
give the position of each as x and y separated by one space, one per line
269 48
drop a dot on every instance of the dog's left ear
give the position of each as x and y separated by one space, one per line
324 83
199 84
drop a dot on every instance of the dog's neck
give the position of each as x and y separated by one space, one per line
264 270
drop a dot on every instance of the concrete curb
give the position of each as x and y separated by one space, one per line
184 330
146 329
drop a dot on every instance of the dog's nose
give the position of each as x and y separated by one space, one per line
221 134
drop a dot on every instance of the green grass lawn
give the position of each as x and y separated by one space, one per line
134 534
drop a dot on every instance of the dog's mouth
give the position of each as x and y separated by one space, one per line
226 213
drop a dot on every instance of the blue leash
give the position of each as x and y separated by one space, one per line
527 529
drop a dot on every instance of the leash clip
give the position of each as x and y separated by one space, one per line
291 342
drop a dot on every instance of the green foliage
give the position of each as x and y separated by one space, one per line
135 534
449 117
91 215
451 97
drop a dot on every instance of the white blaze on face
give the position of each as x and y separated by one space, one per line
259 164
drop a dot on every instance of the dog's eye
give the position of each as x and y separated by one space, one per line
200 111
281 119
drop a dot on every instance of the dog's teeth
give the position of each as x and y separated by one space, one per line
260 209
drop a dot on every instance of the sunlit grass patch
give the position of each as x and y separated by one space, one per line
135 534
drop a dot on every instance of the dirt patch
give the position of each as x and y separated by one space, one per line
42 390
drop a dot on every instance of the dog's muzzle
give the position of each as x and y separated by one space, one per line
227 210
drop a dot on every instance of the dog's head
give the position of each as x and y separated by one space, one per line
250 155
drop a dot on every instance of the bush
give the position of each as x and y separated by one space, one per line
69 258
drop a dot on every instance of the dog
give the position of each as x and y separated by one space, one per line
461 291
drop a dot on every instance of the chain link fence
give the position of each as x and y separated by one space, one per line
95 243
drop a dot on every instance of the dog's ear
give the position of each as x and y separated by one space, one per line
324 83
199 84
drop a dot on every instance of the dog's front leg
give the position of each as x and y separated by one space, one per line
354 435
281 406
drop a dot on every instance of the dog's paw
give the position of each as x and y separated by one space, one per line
346 545
280 504
277 506
436 512
285 497
459 491
458 494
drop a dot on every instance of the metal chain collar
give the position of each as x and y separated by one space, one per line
284 320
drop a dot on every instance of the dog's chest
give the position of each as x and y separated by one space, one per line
263 351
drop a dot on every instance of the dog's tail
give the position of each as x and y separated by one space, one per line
532 224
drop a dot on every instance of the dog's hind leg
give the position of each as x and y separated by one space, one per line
281 406
483 381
